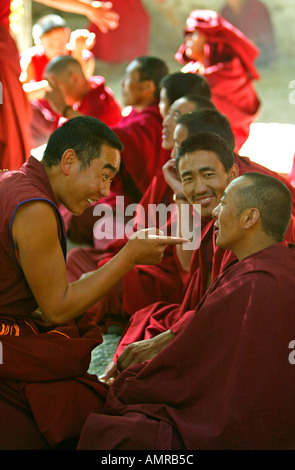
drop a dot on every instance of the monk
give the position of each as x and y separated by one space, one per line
140 133
253 18
226 381
225 57
15 143
152 327
165 282
46 337
178 84
72 94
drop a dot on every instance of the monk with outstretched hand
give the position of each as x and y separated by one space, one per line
47 337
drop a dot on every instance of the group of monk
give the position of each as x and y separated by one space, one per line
204 296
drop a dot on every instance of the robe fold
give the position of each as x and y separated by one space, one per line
45 387
225 382
143 155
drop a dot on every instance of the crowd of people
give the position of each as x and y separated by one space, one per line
204 296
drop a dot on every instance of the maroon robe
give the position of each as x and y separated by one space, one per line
143 155
225 382
14 107
254 21
229 70
39 360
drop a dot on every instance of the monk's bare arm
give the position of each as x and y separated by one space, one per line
35 234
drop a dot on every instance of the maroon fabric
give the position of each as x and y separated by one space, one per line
14 108
99 102
39 60
225 382
255 22
124 43
291 175
45 366
229 70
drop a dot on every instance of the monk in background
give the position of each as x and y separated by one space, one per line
225 57
46 336
232 357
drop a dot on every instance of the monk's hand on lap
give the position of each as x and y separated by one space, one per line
109 374
144 350
147 246
171 176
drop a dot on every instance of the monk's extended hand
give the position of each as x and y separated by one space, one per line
147 246
143 350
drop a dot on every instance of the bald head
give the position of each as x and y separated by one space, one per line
271 197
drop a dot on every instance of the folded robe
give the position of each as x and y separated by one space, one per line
225 382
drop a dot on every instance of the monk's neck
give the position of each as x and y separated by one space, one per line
248 249
145 104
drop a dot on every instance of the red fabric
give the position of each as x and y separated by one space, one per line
255 22
229 70
45 366
126 42
291 175
225 382
14 108
208 260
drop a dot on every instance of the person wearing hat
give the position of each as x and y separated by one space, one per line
221 53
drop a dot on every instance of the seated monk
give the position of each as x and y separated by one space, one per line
72 94
153 327
140 133
227 381
15 113
253 18
224 56
166 281
46 337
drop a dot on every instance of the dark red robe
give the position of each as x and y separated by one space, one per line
225 382
228 69
14 107
45 390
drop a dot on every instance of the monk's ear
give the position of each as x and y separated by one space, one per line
67 161
233 172
149 86
250 217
